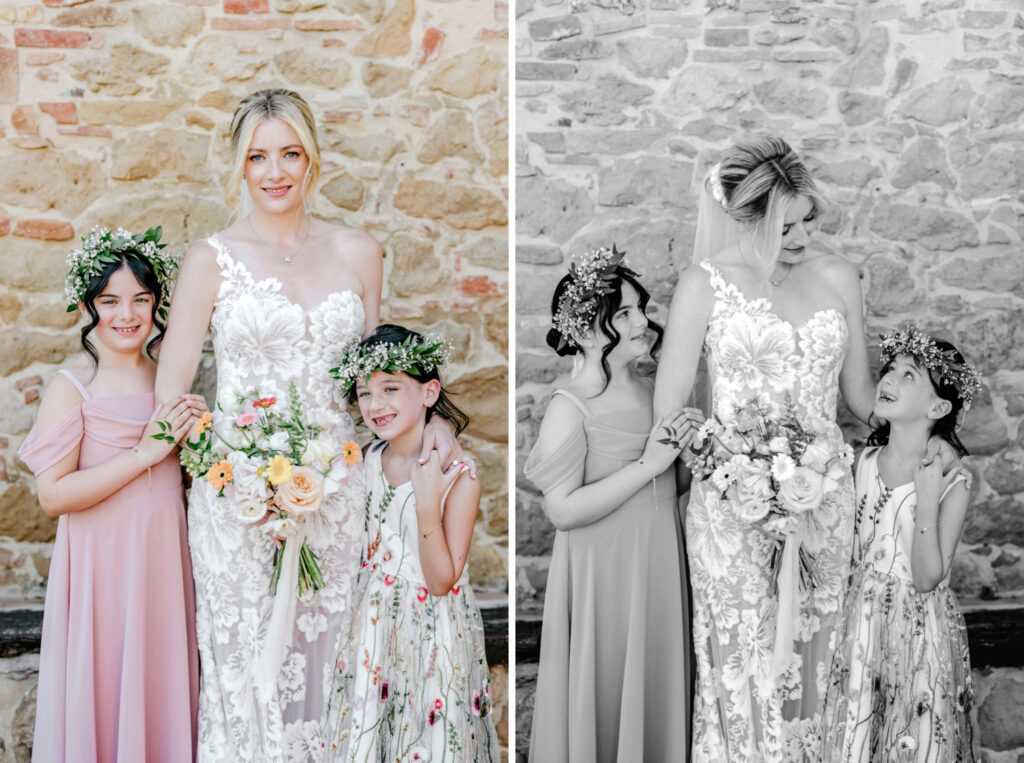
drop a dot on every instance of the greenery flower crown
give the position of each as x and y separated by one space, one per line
101 247
416 356
592 275
942 363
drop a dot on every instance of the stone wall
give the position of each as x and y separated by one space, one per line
118 113
908 115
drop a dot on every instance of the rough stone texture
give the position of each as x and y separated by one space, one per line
908 117
118 113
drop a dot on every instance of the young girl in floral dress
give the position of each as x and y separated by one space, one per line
118 665
900 685
412 680
614 677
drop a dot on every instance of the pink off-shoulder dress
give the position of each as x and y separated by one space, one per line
118 669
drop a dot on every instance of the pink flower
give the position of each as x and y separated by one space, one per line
455 589
389 580
247 419
303 492
384 691
421 593
438 704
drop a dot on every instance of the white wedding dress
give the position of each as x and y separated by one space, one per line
264 342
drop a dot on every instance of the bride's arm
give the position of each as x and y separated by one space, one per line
187 321
684 335
855 380
366 258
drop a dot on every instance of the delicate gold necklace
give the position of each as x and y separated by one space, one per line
287 258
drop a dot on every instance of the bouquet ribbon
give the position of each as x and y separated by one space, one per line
282 617
789 596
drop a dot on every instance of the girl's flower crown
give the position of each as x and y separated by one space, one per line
592 275
101 246
943 363
416 356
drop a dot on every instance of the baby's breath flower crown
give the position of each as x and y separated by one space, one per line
910 340
592 275
101 247
415 356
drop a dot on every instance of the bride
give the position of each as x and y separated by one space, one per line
282 293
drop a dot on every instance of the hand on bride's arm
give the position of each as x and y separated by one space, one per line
439 435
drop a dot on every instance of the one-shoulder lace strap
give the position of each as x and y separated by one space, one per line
224 259
718 282
572 399
74 380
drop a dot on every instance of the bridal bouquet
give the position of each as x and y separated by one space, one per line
774 469
273 463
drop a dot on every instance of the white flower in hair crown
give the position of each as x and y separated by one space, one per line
101 247
592 274
415 356
912 341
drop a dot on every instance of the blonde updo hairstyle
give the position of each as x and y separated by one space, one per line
759 179
292 109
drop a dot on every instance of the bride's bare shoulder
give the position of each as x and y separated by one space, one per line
347 242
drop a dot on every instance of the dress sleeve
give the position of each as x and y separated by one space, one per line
547 473
41 452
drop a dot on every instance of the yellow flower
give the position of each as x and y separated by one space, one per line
279 470
350 450
202 424
220 474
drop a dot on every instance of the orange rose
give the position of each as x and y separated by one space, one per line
303 492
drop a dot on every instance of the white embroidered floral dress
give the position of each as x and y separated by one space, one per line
745 709
264 342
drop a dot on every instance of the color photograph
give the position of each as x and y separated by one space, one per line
253 379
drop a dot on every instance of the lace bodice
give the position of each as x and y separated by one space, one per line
751 350
261 337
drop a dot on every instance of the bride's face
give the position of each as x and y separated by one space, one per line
796 227
275 167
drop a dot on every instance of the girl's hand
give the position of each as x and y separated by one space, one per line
667 437
943 451
429 483
930 483
439 436
178 413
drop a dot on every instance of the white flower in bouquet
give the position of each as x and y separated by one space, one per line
319 453
801 492
751 491
281 528
817 455
778 444
707 429
732 442
783 467
251 491
277 441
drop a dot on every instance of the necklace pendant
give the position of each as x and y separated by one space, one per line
288 258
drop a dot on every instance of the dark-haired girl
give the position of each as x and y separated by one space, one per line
613 682
411 681
118 672
900 685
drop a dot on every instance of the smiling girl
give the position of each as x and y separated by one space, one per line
411 681
118 673
900 686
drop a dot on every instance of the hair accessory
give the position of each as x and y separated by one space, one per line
911 340
416 355
101 246
715 184
592 274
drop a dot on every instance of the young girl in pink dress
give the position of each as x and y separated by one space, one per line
118 672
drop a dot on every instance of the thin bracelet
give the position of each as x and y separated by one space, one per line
431 529
149 467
